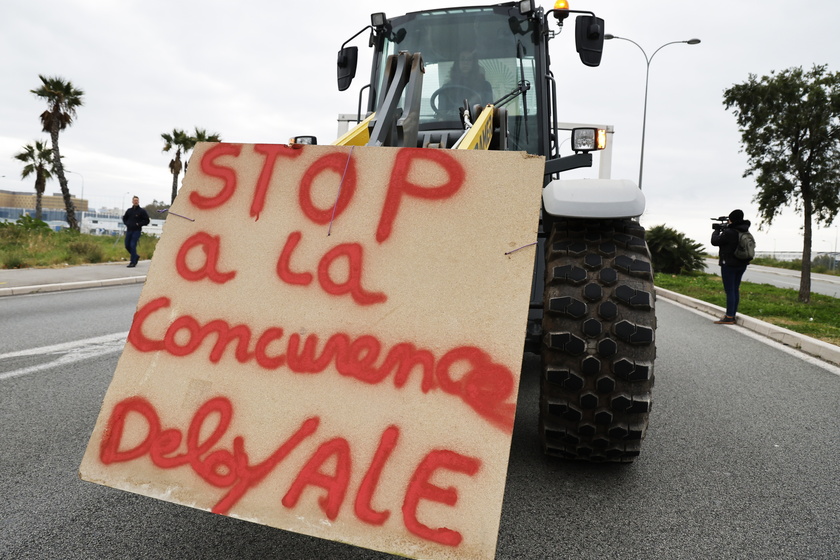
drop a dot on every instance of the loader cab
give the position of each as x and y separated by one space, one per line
471 55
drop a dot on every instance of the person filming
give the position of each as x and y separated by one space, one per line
726 236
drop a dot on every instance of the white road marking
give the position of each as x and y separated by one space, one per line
66 353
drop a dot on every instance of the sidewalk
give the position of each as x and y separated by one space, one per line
19 281
37 280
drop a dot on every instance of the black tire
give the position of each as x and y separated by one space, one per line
598 343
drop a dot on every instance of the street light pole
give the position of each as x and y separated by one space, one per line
83 190
121 225
83 181
648 60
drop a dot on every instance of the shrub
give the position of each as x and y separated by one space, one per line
84 251
672 252
146 246
28 223
12 260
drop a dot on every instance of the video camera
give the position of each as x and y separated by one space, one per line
721 222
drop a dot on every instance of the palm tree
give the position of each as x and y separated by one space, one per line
39 161
200 135
672 252
178 140
183 142
62 101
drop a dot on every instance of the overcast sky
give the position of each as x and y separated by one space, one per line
264 71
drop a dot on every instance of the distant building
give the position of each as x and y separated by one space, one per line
26 200
111 224
13 205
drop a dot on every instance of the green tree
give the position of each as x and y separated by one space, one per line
182 142
38 160
62 100
672 252
790 130
154 209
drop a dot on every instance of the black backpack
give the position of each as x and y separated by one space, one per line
745 250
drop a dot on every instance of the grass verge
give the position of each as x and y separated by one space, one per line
31 243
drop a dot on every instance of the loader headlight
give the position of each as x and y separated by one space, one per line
526 7
307 140
378 19
588 139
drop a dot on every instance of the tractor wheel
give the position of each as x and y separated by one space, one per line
598 340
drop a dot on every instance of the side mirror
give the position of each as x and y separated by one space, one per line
347 59
589 39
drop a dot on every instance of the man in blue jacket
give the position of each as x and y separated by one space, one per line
134 219
731 268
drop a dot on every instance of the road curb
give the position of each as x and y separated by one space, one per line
823 350
43 288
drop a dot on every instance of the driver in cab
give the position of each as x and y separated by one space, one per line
466 81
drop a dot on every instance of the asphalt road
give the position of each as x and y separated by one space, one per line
741 460
825 284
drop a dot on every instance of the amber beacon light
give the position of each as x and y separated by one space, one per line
561 10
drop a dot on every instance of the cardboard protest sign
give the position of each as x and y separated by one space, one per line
329 342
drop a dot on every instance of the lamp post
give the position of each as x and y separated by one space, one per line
126 193
648 60
83 182
83 190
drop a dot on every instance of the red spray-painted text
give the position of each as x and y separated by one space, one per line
232 469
